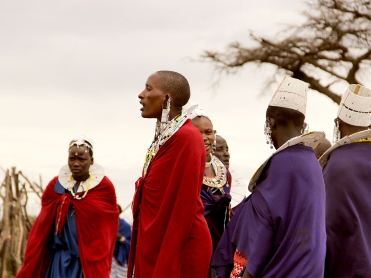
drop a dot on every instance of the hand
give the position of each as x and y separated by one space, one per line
122 239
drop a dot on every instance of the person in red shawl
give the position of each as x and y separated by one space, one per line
170 235
75 232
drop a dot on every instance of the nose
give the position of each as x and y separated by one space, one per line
226 154
141 95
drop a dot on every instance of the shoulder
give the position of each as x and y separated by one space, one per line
106 182
298 162
356 155
188 130
51 184
188 135
295 156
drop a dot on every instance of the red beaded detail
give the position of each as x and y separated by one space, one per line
239 262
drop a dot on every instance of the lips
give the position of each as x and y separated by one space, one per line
141 103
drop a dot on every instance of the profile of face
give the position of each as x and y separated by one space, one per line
152 98
205 126
79 162
222 150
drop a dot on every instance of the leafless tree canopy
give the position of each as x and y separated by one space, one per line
333 45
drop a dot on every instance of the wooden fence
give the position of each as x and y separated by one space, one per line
15 223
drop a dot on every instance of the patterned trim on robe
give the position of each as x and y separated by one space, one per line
239 262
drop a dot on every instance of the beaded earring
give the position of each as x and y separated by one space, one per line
267 133
305 128
214 146
337 133
165 112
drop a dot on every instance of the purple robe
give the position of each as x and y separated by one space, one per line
280 228
347 177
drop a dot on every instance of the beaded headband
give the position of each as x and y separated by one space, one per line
355 106
82 140
291 93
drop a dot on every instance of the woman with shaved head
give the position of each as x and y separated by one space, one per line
170 235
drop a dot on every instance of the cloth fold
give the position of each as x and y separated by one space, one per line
170 236
96 220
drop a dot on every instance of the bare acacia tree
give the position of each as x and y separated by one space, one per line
331 46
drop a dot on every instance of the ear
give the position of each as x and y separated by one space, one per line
272 123
92 161
214 132
164 104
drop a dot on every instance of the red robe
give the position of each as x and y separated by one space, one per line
96 220
170 235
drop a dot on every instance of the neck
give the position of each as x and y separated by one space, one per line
346 129
82 178
286 135
208 157
174 111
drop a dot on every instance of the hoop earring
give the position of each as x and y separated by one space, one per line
267 133
337 133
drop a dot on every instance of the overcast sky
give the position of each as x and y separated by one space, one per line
75 67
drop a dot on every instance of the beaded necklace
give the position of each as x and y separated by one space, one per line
161 137
70 188
362 140
220 178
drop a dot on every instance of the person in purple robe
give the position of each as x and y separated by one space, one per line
347 175
279 230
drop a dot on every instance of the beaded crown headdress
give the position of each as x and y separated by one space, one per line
355 106
291 93
82 140
198 111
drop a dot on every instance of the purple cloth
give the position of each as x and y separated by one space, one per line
347 177
280 229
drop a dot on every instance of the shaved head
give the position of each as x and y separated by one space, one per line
322 148
176 85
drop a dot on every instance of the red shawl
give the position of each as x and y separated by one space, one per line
96 220
170 235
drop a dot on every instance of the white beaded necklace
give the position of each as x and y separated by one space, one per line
161 137
70 188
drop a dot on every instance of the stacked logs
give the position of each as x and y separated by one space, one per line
15 223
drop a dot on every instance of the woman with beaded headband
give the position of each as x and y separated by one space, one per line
216 186
279 230
170 236
347 174
75 232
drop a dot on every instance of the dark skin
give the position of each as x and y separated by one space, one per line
347 129
222 150
281 134
154 99
322 148
79 163
246 274
205 126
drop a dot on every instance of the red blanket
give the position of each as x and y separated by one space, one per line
170 234
96 219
